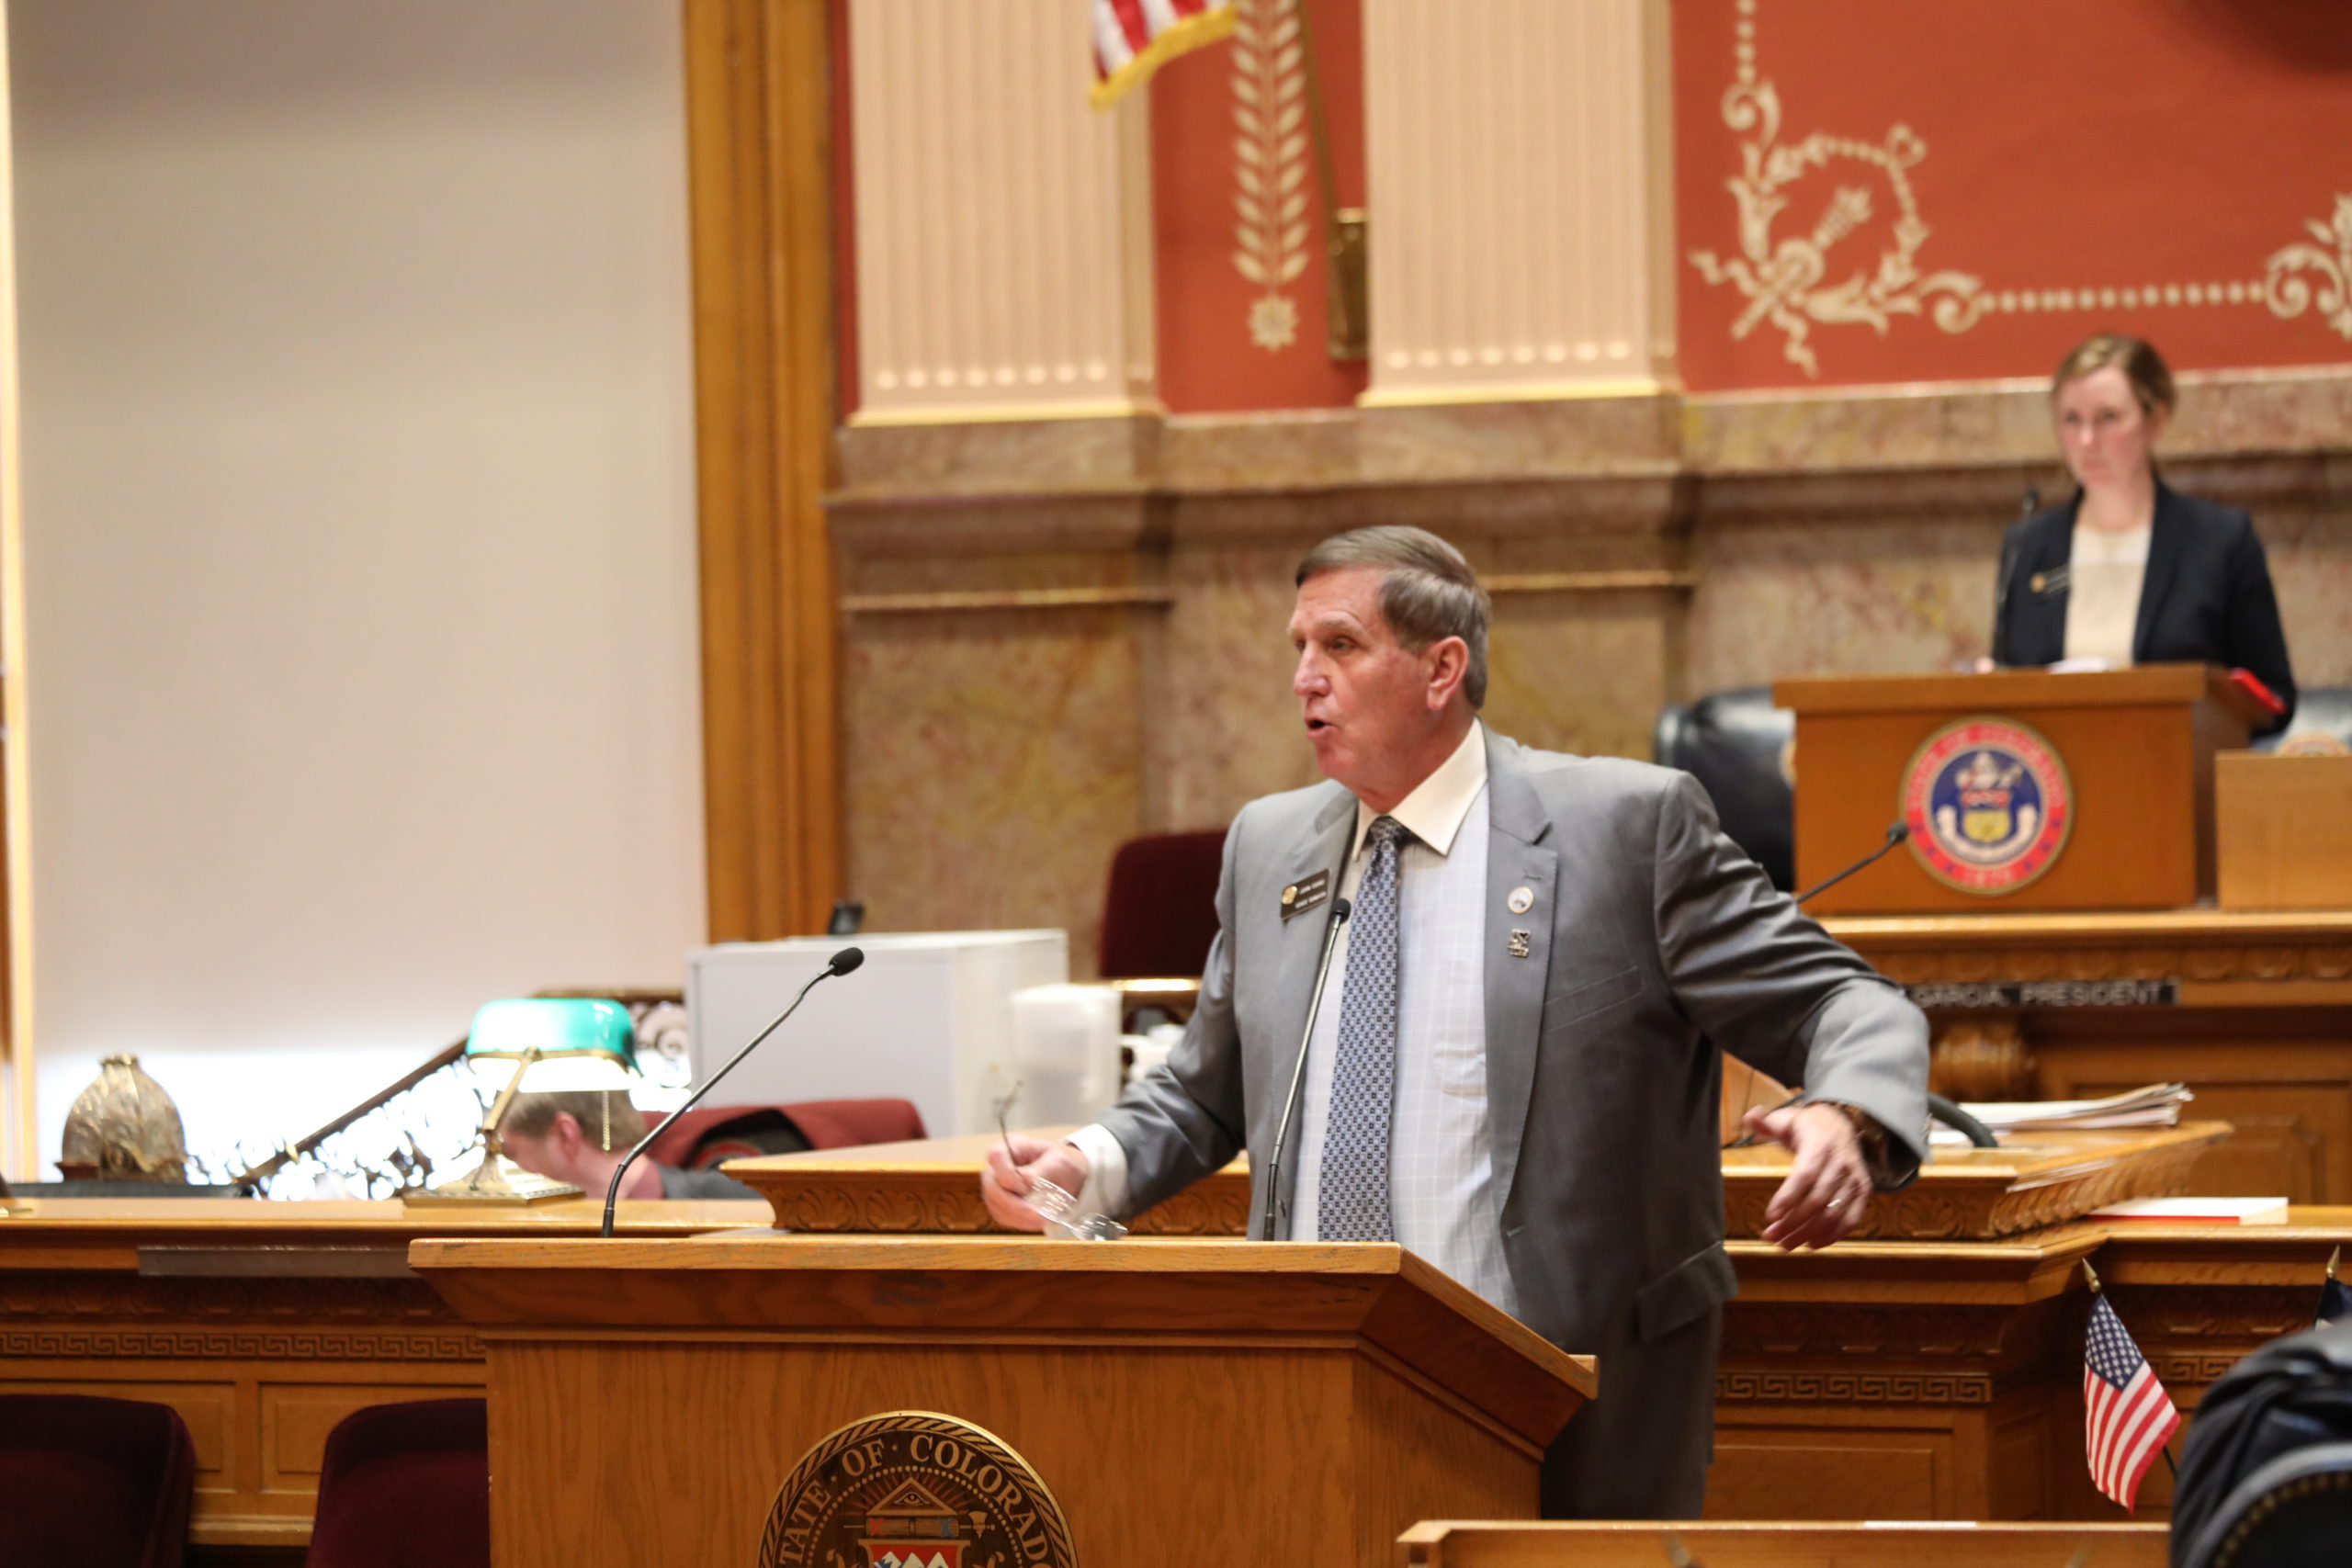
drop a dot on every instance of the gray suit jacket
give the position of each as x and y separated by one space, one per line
1652 941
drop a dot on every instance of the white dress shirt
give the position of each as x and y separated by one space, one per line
1442 1192
2104 577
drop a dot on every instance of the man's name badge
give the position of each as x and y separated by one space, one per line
1306 892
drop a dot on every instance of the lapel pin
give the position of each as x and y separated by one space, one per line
1520 944
1521 899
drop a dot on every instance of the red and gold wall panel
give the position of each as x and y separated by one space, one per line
1870 193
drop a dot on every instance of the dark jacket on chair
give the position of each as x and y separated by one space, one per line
2206 598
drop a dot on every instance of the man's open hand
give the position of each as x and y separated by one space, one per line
1004 1181
1828 1186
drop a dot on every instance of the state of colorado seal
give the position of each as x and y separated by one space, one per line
1988 805
914 1489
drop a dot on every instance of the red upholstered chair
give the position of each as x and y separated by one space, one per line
88 1483
405 1486
1159 911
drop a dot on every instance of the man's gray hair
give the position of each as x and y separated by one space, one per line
1429 591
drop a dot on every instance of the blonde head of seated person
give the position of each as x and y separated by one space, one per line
2128 570
581 1135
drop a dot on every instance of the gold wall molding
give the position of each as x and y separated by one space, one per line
758 123
1517 154
2289 293
1272 196
1003 226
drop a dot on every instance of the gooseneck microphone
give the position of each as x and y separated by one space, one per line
842 963
1896 834
1274 1204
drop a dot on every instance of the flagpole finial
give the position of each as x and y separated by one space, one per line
2333 1259
2091 1274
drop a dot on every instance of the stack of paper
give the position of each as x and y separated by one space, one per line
2157 1105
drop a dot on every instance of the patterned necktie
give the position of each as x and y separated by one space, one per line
1352 1188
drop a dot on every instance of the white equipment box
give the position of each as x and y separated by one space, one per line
927 1018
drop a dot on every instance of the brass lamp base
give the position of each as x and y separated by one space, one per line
496 1181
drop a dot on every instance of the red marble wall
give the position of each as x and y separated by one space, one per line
1963 191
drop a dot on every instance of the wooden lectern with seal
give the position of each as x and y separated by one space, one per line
758 1398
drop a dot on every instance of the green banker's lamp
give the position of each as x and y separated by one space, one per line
562 1044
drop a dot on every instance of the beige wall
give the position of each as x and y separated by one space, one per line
359 489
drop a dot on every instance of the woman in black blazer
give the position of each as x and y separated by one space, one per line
2130 570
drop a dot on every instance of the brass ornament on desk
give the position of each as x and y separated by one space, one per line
124 1128
914 1486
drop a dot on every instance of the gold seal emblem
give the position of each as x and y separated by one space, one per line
914 1489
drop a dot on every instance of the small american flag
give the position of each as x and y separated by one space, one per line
2128 1417
1134 38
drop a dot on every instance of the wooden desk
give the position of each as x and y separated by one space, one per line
1917 1379
261 1324
2253 1012
1905 1380
1893 1380
932 1186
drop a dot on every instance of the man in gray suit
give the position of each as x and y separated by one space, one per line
1512 1070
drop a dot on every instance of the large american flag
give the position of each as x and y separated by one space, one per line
1134 38
2128 1417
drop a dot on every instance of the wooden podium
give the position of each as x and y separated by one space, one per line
2117 768
1183 1402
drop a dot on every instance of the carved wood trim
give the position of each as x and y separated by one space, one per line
1733 1386
758 128
1928 1213
947 1201
78 1342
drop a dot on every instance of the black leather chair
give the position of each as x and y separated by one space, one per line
1741 750
2322 723
2265 1476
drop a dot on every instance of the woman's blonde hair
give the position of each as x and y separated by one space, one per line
2141 366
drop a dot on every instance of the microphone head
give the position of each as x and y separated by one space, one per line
1897 834
1341 908
847 959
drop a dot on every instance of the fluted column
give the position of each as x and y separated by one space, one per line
1521 177
1003 226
